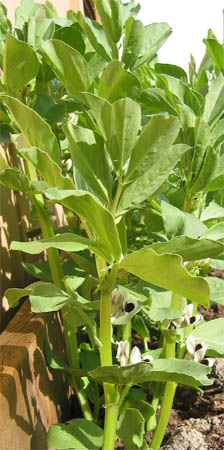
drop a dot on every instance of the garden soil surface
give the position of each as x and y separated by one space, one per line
197 419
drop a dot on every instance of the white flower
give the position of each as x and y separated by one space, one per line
129 305
196 348
121 303
123 352
135 356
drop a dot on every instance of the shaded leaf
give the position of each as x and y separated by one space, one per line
131 428
213 108
14 179
75 434
216 289
178 222
168 369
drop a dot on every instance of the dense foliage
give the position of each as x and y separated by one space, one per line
134 152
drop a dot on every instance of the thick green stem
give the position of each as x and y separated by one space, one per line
111 405
126 333
169 350
151 424
168 396
110 426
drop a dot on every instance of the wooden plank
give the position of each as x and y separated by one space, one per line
32 397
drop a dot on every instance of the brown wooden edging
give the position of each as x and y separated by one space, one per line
31 396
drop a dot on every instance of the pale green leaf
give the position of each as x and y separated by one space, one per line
166 271
69 66
90 209
47 168
115 83
88 155
213 108
14 179
67 242
212 333
178 222
20 63
217 289
36 131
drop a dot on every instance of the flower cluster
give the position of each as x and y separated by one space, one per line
123 352
185 320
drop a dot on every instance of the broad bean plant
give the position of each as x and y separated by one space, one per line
133 150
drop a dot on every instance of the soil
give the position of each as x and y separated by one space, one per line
197 419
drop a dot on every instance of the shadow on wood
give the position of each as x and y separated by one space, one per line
31 396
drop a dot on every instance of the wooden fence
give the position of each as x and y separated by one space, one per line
14 207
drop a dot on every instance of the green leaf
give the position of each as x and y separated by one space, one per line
5 133
133 42
14 179
39 31
201 142
207 172
131 428
142 43
88 155
159 134
60 56
140 327
75 434
180 371
52 360
46 297
153 220
216 289
212 333
166 271
72 37
20 63
67 242
216 232
216 51
156 101
98 217
116 19
172 70
13 295
178 222
189 248
119 124
96 36
26 10
39 269
104 9
37 132
152 171
115 83
213 108
213 211
47 168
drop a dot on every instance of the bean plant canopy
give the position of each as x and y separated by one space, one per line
133 150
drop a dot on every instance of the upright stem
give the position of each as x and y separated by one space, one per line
111 406
126 332
169 349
